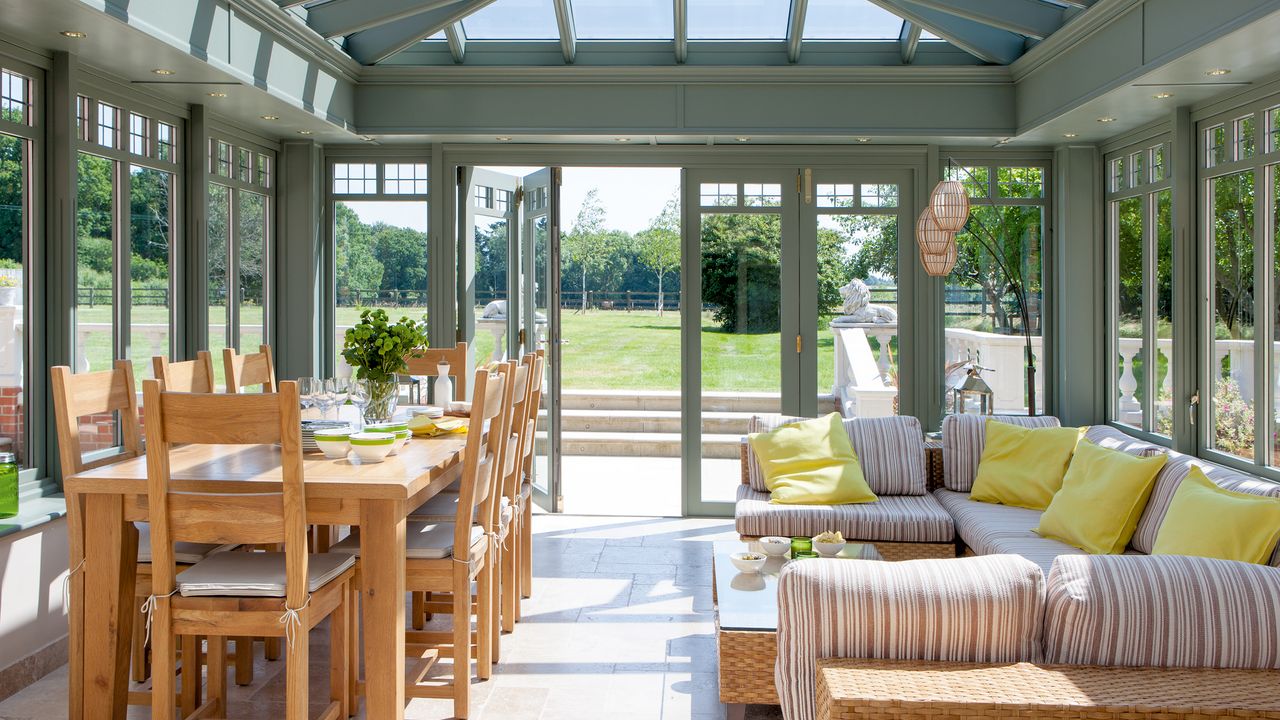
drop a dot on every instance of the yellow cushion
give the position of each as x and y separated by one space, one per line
811 463
1023 466
1102 497
1208 521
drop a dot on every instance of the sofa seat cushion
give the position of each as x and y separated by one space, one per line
987 609
1167 482
892 518
889 449
963 438
980 524
1162 611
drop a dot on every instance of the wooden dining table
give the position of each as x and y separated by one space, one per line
103 504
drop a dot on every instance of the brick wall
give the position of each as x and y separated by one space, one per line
12 431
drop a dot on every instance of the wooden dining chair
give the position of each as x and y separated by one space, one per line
278 594
194 376
525 507
524 422
247 370
445 558
111 394
425 364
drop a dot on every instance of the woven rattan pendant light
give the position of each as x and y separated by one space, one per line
940 264
931 238
949 205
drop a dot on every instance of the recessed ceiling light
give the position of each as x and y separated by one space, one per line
269 117
1162 95
304 132
1069 135
74 34
1217 72
503 138
863 139
742 139
216 94
1106 119
623 139
162 71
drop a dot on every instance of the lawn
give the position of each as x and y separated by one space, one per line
610 350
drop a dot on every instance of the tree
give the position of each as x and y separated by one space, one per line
740 271
585 244
659 245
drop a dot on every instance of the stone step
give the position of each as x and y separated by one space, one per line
648 421
639 444
745 402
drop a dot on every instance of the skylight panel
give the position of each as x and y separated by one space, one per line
738 19
850 20
513 20
926 35
623 19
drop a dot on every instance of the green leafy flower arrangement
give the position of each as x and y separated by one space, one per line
376 348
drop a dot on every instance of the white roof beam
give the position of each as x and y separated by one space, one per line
1032 18
681 10
457 38
984 42
568 34
909 40
374 45
795 29
343 17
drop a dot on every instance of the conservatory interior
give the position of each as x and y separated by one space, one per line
670 359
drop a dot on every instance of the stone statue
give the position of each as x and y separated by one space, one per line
859 309
495 309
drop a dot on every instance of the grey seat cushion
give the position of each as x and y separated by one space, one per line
981 524
443 508
256 574
187 553
892 518
425 541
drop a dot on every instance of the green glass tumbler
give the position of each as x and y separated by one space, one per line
8 485
801 545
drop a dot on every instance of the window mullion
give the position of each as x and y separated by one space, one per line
1263 317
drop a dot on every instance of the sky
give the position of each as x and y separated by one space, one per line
631 197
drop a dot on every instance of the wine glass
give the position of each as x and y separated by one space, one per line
340 387
326 397
358 394
308 389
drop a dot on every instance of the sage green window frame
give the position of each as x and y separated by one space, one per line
34 478
1147 191
1265 284
235 185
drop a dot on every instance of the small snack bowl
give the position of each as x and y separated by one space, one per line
372 447
775 546
748 562
828 544
402 437
334 443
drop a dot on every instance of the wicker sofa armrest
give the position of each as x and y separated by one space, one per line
744 458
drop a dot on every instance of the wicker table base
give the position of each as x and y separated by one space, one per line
916 690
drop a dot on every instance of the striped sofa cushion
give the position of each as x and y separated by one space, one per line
1163 611
980 524
892 518
985 609
963 437
1108 437
890 450
1167 481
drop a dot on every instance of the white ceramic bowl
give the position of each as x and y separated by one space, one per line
748 562
372 447
828 549
334 444
431 411
775 546
402 437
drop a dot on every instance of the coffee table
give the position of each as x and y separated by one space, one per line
746 609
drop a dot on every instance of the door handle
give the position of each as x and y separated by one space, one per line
563 342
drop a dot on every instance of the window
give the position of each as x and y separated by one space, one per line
264 170
1245 145
984 317
139 133
164 142
220 162
108 126
15 223
15 98
1140 258
1273 129
151 215
1232 383
718 194
83 118
380 240
1215 146
244 165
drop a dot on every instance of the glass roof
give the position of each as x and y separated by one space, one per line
513 20
623 19
850 20
738 19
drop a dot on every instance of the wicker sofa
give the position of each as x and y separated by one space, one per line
907 522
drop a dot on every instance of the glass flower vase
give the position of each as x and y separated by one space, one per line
383 397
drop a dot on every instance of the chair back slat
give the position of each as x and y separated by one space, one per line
513 450
193 376
535 404
247 370
196 419
480 458
95 393
425 364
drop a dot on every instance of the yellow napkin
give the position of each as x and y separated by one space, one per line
424 426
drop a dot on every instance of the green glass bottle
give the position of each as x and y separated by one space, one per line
8 485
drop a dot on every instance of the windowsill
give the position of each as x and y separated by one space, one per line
34 513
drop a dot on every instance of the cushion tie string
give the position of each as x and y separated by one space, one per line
66 585
149 607
292 621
